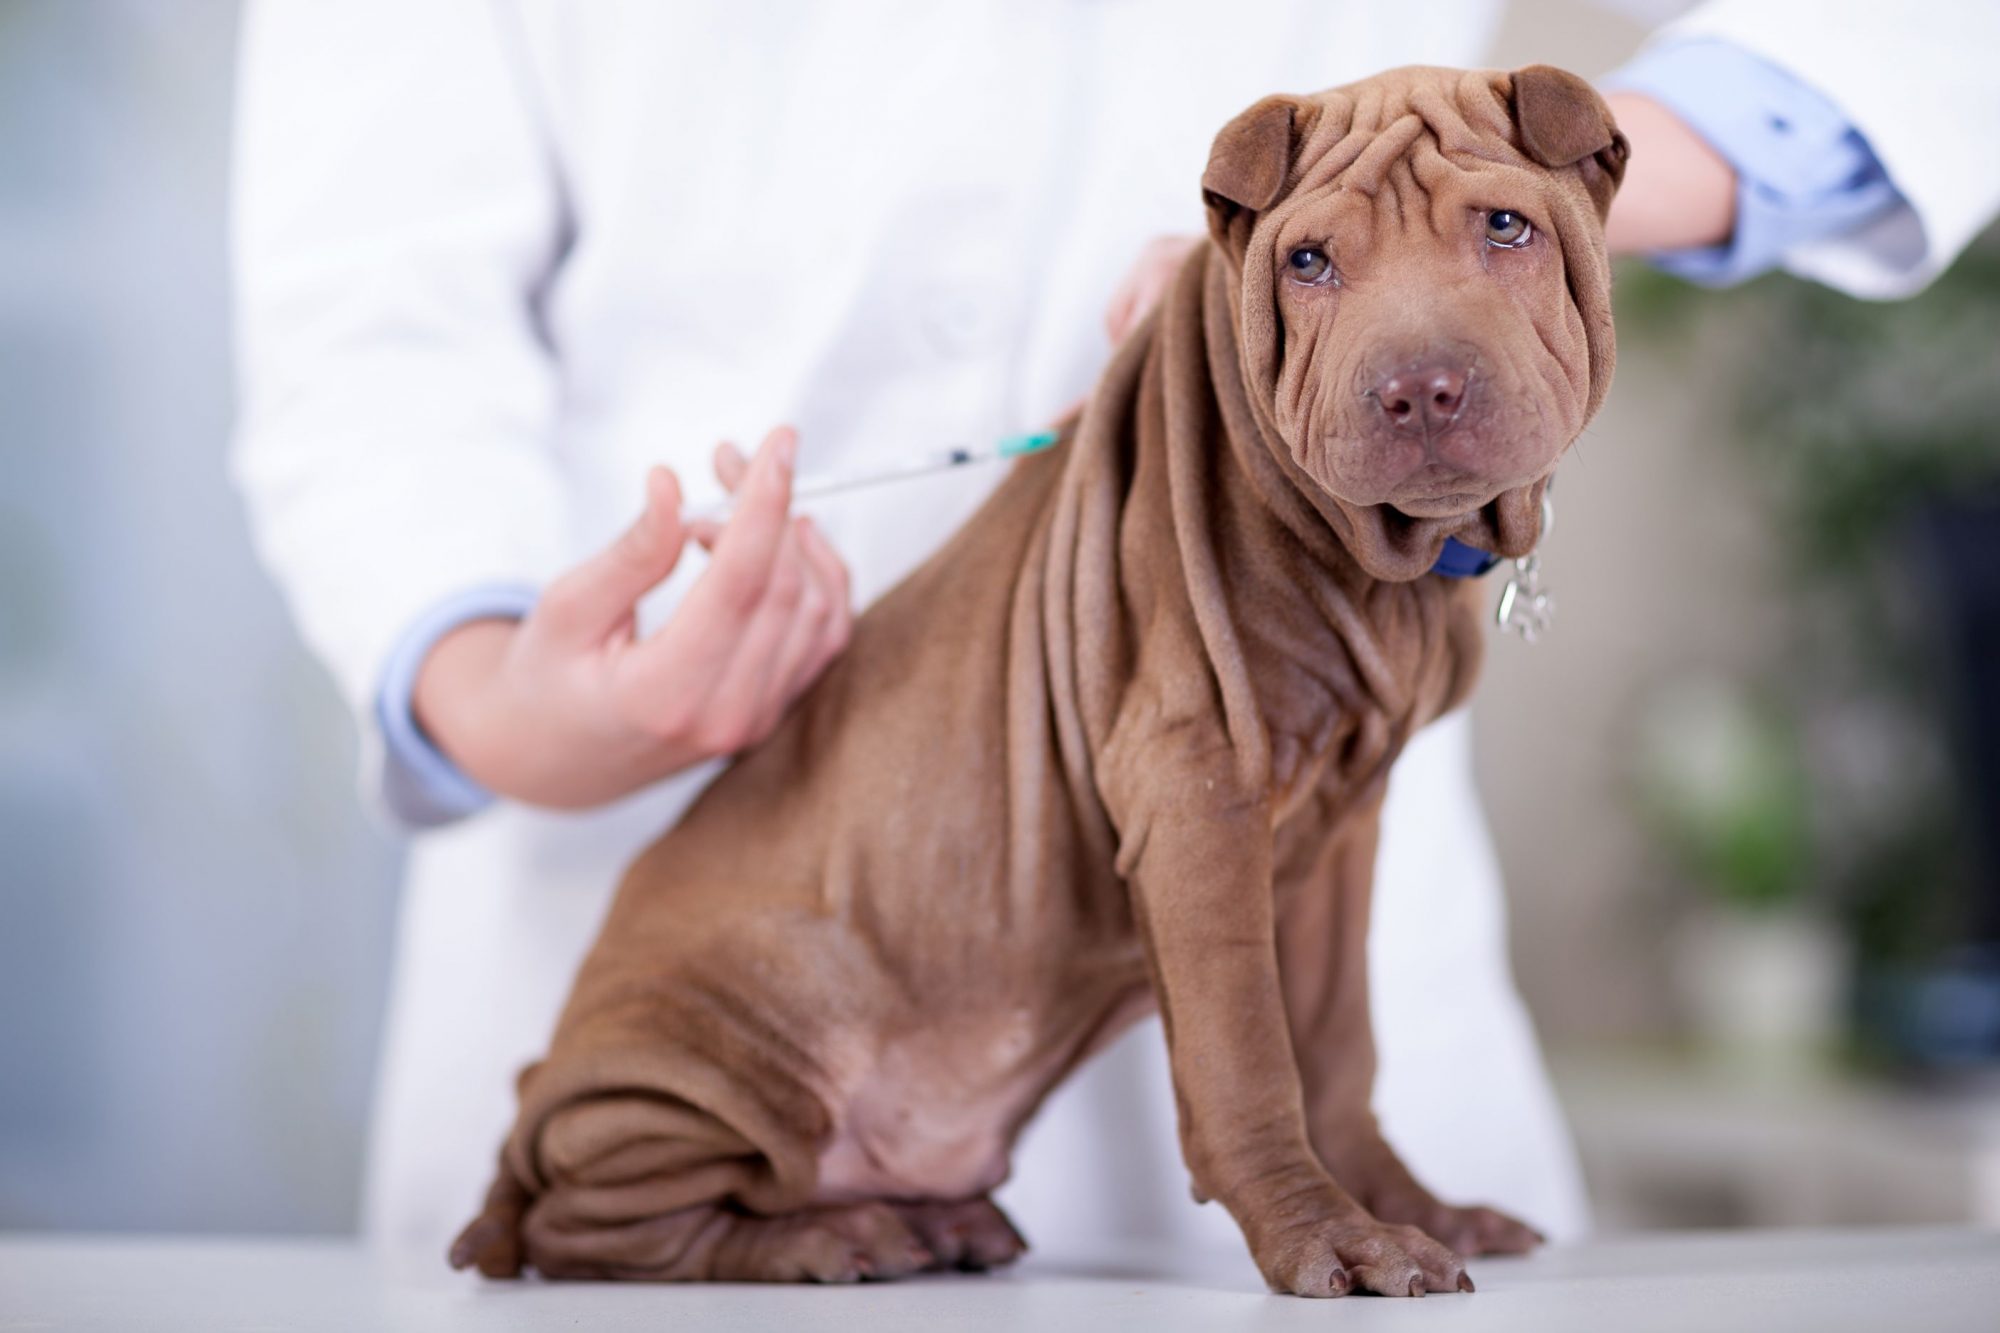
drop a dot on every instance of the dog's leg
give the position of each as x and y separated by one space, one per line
491 1242
850 1242
969 1234
718 1243
641 1186
1322 934
1200 873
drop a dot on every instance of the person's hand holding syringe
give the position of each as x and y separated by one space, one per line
570 707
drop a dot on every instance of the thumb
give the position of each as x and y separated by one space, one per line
598 596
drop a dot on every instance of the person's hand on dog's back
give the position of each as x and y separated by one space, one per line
570 708
1146 282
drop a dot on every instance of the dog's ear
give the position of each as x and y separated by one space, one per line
1247 167
1564 123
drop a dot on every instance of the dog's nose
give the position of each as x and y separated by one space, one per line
1423 398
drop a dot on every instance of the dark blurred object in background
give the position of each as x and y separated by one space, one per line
1961 540
1871 429
1942 1011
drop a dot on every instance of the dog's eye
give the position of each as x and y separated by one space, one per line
1507 229
1310 265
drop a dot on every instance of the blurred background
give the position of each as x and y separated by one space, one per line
1747 794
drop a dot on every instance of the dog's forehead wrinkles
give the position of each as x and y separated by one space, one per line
1379 157
1395 211
1462 118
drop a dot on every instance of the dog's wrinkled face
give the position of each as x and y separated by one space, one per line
1424 294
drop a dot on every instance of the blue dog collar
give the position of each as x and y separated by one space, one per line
1459 561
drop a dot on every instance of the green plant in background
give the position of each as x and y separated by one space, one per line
1723 788
1830 777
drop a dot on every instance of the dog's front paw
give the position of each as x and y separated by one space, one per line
1346 1249
1469 1231
1369 1169
972 1234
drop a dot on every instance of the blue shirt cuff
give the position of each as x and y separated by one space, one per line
419 784
1803 171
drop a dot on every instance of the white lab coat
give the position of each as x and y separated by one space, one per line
496 259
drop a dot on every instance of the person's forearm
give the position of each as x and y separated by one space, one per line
450 686
1678 194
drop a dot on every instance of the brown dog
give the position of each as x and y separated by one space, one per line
1122 742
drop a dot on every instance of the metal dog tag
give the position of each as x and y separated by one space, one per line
1526 607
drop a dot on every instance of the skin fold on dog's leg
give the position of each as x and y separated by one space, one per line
644 1185
718 1243
646 1188
1322 936
1202 895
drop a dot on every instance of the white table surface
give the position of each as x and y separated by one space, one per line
1902 1281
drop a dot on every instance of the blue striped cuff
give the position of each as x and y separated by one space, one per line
1803 171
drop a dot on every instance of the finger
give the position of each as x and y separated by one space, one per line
827 562
692 677
737 702
804 651
664 681
730 466
823 626
730 590
837 627
596 598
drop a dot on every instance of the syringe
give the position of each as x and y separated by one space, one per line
813 488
